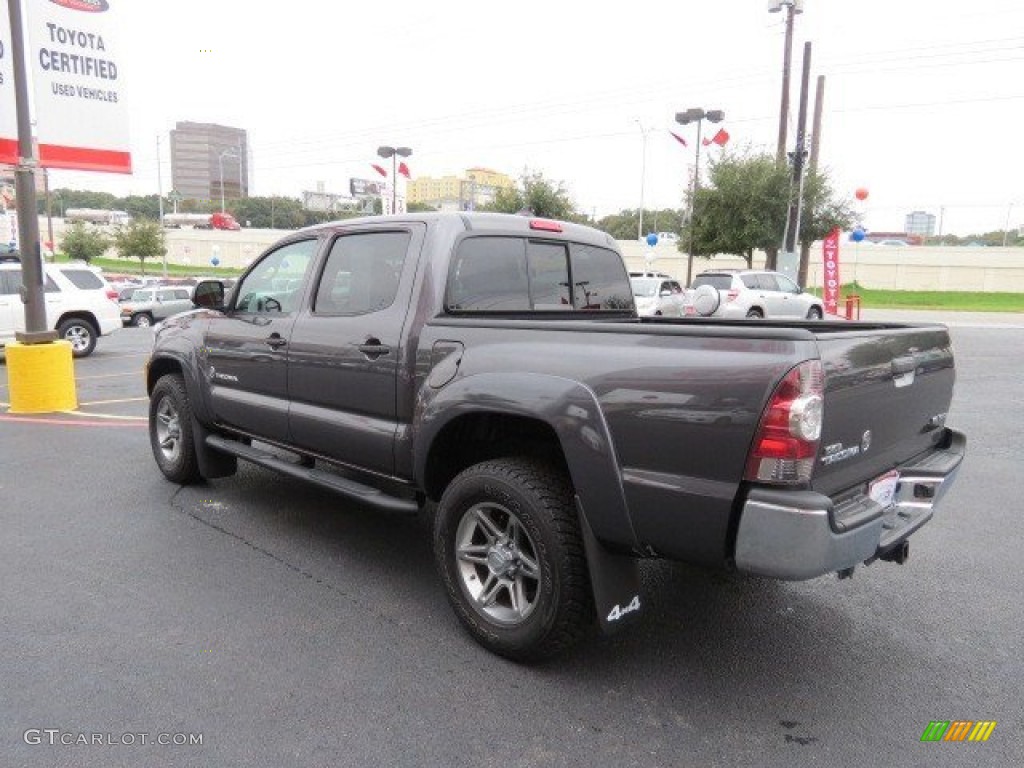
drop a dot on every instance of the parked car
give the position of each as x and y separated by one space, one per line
78 306
150 305
657 296
755 294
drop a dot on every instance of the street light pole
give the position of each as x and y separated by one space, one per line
697 115
394 153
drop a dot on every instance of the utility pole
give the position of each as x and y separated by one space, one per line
819 101
788 257
787 58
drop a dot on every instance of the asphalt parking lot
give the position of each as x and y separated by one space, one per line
284 627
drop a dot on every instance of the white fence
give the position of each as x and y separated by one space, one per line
910 268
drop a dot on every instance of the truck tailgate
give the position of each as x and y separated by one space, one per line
887 392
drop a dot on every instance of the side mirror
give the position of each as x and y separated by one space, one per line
209 294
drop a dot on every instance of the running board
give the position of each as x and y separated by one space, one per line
365 494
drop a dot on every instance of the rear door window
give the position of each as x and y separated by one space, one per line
12 282
362 273
600 280
767 282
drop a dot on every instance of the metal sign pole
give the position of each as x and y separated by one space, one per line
28 221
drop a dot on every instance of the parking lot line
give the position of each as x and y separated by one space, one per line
114 402
71 422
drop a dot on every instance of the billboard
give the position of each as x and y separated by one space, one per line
364 188
77 75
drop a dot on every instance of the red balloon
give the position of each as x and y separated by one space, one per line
861 193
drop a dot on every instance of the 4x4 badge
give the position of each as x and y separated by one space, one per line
865 440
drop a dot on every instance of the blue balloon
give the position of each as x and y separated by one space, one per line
652 239
215 261
857 235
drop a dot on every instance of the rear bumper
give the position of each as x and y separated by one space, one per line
796 535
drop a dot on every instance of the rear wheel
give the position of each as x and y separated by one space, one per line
170 430
142 320
755 312
80 333
508 546
814 313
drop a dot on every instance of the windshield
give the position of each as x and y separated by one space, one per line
645 288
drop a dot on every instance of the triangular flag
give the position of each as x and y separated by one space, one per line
678 138
719 138
404 170
379 169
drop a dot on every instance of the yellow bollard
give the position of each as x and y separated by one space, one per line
41 377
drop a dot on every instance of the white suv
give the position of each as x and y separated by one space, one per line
752 293
78 306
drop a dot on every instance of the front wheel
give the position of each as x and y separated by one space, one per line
80 334
170 430
507 543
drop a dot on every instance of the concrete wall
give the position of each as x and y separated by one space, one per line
918 268
921 268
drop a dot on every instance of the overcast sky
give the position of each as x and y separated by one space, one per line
923 106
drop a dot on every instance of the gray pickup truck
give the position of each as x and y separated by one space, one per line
492 369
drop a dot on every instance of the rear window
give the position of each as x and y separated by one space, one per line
512 274
719 282
83 278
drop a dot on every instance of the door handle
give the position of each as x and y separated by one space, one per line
275 341
374 349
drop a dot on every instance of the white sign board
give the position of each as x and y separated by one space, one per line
78 79
8 117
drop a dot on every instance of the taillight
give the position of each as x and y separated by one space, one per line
731 295
787 437
112 294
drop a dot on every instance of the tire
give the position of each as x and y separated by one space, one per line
80 333
814 313
142 320
170 431
756 313
508 546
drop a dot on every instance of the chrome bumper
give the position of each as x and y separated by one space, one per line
796 535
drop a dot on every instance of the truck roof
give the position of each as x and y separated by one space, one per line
484 221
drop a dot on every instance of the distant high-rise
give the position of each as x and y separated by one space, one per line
199 154
920 223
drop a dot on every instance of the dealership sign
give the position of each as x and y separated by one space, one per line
77 77
8 117
830 255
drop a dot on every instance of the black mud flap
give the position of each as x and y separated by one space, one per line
615 580
212 463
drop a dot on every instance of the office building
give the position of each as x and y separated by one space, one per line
201 153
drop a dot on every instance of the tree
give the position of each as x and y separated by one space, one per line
140 240
623 225
745 205
546 199
84 243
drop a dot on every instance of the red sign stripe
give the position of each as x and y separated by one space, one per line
9 151
84 159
